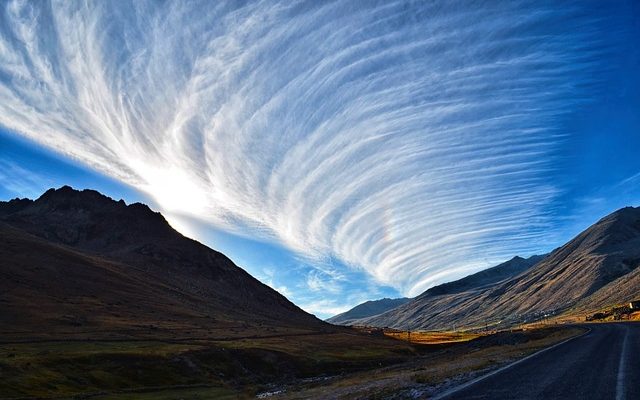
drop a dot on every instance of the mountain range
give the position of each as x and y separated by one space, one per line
80 264
597 269
485 278
366 309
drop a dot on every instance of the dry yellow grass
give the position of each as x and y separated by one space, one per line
431 337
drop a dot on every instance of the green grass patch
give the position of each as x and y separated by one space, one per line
73 368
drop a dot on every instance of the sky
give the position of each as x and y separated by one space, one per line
339 151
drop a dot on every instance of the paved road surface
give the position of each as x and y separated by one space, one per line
603 364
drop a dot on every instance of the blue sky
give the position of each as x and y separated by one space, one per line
338 151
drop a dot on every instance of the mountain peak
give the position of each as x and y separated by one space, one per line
91 200
485 277
624 212
86 218
70 196
93 247
618 228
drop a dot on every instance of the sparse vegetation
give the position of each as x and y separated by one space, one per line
235 367
615 313
243 368
420 337
439 366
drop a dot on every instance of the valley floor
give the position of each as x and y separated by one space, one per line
337 365
440 368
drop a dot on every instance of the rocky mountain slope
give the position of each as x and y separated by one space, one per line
596 269
487 277
100 298
484 278
366 309
78 261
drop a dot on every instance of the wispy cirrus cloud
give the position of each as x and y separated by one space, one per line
413 141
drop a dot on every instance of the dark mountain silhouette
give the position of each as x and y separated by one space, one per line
597 269
80 261
102 298
366 309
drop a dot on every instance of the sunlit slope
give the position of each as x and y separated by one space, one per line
597 268
365 310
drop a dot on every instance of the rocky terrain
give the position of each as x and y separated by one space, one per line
598 268
479 280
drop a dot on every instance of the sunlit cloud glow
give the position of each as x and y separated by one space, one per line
412 141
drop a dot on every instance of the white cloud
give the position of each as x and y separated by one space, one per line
413 142
324 308
320 282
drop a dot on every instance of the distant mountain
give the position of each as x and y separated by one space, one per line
484 278
596 269
487 277
366 309
79 262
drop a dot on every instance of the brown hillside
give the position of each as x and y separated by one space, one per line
78 261
597 268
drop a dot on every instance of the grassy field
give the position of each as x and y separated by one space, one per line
71 368
188 370
347 365
431 337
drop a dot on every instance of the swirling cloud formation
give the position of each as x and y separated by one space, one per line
413 140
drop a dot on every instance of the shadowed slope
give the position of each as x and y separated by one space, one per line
73 259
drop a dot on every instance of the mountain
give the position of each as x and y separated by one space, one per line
366 309
596 269
98 297
490 276
81 263
487 277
